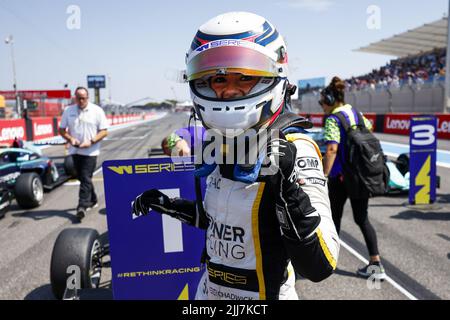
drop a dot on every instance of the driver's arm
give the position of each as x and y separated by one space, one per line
304 213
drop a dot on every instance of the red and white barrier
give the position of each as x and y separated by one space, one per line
42 128
123 119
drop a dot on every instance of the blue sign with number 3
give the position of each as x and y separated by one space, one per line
423 145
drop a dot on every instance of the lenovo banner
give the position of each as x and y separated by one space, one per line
397 123
443 126
400 124
11 129
42 128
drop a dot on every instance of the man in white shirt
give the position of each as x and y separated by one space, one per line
84 125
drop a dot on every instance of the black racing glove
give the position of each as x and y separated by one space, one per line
150 199
180 209
297 217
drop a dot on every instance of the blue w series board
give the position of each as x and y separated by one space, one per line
154 256
423 145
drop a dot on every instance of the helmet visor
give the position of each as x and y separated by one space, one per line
231 59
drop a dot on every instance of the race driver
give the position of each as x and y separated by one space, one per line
256 222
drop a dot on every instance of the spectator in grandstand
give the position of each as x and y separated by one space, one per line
333 102
410 70
395 82
84 125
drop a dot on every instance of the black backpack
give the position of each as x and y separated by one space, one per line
365 169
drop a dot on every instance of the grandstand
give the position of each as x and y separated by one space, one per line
412 82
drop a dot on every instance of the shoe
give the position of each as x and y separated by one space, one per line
373 269
81 213
92 206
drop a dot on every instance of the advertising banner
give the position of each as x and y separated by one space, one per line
42 128
422 164
443 128
153 256
400 123
397 123
11 129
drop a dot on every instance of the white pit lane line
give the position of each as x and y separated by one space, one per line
388 279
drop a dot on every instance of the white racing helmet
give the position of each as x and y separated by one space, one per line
243 43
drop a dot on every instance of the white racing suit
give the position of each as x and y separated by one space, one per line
248 249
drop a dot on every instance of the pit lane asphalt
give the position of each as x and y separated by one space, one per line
415 245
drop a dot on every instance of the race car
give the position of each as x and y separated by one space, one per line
25 175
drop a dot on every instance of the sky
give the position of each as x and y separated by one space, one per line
141 45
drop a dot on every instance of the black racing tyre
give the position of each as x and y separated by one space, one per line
79 248
69 167
29 191
402 163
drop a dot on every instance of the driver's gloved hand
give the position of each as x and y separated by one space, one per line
297 217
181 209
151 199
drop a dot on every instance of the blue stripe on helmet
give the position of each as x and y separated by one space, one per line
270 39
266 33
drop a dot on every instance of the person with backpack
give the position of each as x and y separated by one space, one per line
355 166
